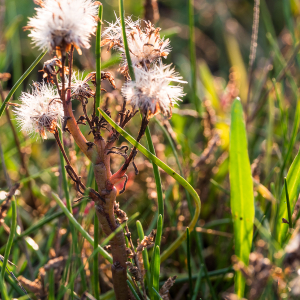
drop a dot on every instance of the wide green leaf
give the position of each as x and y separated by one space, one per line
241 191
293 184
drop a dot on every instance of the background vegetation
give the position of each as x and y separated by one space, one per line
195 142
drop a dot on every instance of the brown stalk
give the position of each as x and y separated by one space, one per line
278 78
96 152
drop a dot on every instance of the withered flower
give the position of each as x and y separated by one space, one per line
145 45
39 111
58 24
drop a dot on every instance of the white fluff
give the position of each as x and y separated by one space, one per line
152 92
40 110
62 23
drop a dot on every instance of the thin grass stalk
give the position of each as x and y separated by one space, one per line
141 235
133 291
192 49
78 227
21 79
157 177
198 283
288 204
3 289
92 256
98 60
51 285
69 207
157 293
188 245
253 47
156 244
122 17
156 269
8 247
96 258
169 171
11 235
120 228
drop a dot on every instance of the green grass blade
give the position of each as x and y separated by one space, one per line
17 84
156 244
293 185
198 283
157 293
157 178
145 256
133 291
10 237
169 171
98 59
156 270
69 207
241 191
51 285
193 60
188 244
122 18
96 259
288 203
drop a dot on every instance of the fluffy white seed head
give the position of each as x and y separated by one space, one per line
152 92
58 24
145 44
80 88
40 110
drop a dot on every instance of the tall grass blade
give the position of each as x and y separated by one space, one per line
10 237
192 49
293 187
188 244
156 270
98 59
96 259
133 290
288 203
145 256
198 283
157 293
241 191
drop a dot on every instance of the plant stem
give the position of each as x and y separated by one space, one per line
98 61
122 17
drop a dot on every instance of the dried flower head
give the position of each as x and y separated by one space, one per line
58 24
39 111
152 92
145 45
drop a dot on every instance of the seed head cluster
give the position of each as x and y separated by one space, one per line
40 111
151 91
58 24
